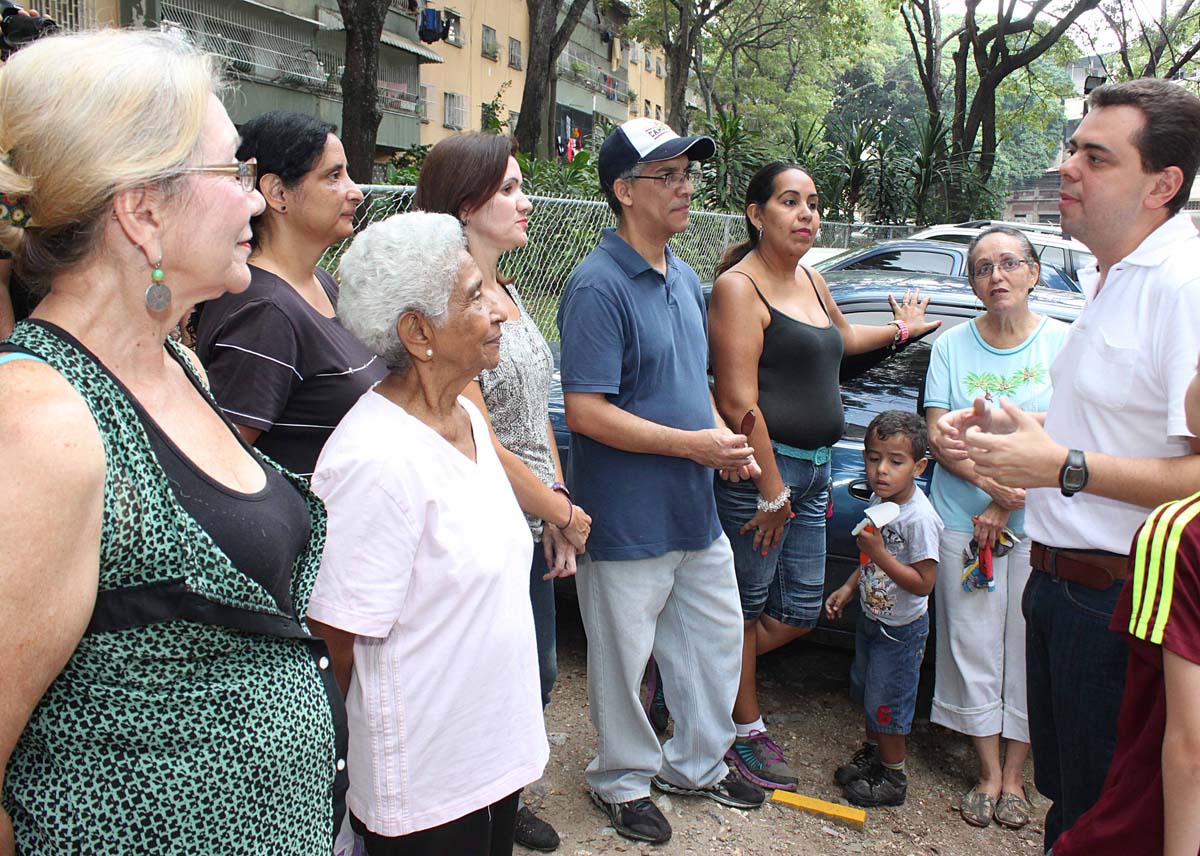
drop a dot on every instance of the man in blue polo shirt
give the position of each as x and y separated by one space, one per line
658 575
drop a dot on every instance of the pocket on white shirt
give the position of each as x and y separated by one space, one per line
1106 372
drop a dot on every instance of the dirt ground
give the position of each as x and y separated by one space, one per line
803 694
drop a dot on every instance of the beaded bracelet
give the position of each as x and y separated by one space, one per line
769 506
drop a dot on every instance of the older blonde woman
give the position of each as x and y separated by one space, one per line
423 587
161 691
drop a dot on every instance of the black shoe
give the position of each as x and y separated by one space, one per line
638 819
857 766
878 786
732 790
533 832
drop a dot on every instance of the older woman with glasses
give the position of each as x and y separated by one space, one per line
423 589
162 692
282 367
1005 353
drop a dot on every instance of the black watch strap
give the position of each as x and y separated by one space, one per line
1073 477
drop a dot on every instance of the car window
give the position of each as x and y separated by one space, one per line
953 238
914 261
887 380
1082 260
1055 256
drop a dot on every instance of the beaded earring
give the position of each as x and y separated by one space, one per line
158 295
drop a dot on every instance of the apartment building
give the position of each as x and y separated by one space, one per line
281 54
600 76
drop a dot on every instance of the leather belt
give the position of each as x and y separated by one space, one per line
1093 569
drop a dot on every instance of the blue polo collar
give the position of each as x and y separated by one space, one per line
629 259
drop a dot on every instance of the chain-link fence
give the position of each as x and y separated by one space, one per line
563 231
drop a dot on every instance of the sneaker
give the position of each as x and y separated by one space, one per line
759 759
878 786
637 819
859 763
656 704
533 832
733 791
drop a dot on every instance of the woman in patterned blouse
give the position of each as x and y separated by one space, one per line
162 692
475 178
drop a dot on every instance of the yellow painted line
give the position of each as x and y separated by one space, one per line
855 817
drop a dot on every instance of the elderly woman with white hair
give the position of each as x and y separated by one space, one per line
422 592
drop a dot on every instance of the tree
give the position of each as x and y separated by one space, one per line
547 39
361 115
1159 47
984 54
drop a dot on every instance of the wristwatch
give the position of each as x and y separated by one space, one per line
1073 477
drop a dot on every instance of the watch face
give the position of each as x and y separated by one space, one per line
1073 478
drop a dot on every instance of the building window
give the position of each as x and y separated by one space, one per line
513 117
649 65
635 53
658 112
405 7
658 67
646 108
454 28
454 105
425 108
514 53
488 46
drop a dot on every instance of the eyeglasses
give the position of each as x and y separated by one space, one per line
675 180
1008 265
246 171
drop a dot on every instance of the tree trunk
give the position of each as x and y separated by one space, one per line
534 131
679 59
361 115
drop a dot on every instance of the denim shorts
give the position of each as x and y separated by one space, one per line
788 583
886 671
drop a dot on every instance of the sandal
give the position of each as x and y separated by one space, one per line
1012 811
977 807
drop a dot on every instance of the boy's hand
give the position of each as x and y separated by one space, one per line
836 602
870 542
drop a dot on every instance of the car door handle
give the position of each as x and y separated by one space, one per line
859 489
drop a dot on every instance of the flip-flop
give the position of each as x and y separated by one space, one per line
977 808
1012 811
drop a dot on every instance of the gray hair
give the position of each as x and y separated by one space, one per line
408 262
611 197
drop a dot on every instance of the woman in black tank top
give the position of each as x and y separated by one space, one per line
777 339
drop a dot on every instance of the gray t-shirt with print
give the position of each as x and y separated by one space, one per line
912 537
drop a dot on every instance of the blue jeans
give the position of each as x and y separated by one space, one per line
1075 674
886 671
541 595
788 583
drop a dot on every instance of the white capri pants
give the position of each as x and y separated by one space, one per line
980 669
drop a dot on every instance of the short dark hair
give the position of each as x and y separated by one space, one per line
610 195
906 423
1027 251
461 173
1171 134
286 144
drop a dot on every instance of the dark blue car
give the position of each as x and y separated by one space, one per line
872 383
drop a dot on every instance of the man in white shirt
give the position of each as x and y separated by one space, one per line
1115 442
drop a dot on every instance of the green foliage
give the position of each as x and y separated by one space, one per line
405 165
493 113
557 177
739 155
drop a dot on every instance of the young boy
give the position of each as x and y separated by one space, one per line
893 586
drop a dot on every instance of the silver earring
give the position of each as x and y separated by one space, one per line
429 352
158 296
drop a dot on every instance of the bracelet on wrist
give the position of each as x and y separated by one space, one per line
902 333
773 505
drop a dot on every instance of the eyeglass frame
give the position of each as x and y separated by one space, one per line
673 180
246 171
1007 265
